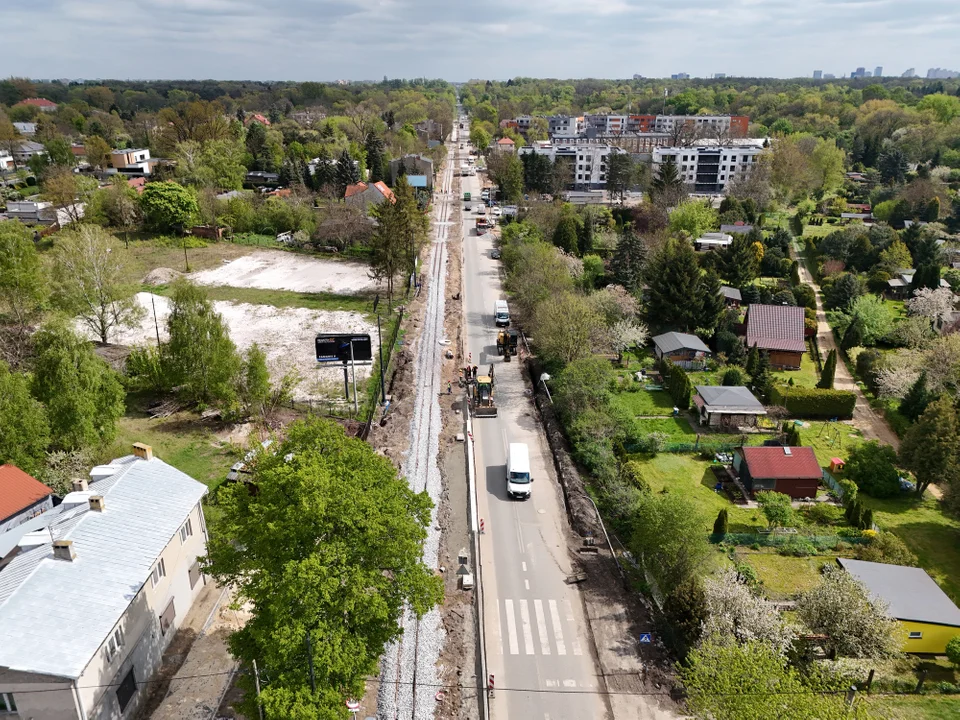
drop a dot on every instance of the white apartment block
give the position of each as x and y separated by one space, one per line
588 161
94 590
708 169
134 161
565 126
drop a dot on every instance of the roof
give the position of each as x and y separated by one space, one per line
668 342
505 141
54 614
355 189
738 227
730 293
909 592
732 399
18 491
775 327
385 191
258 117
775 463
30 146
38 102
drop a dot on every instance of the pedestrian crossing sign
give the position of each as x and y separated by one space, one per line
646 637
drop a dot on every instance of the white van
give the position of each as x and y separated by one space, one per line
518 471
501 314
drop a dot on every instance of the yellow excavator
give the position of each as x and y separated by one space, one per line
482 396
507 344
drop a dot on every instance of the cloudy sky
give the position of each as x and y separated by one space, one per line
367 39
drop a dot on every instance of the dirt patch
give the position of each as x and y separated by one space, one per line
276 270
161 276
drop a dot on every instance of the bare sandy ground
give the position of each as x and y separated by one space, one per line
276 270
286 335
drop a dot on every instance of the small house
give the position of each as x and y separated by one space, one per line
898 287
723 406
713 241
364 195
793 471
779 330
687 351
928 618
731 296
21 497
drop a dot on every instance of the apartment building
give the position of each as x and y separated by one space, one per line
588 161
565 126
94 590
132 161
734 125
709 168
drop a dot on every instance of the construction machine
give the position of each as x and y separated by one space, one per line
507 344
482 396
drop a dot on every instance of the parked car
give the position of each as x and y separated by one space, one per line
496 212
495 253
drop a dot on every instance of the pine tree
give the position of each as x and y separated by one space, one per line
375 160
674 287
762 380
346 173
927 276
666 189
916 399
325 177
721 524
853 337
738 263
629 259
753 361
711 302
829 371
931 447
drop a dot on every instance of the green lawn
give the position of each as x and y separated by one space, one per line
914 707
645 402
283 298
784 577
830 440
806 376
677 428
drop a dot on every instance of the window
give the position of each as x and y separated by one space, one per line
186 531
7 703
916 635
126 690
722 177
114 643
159 571
194 574
167 617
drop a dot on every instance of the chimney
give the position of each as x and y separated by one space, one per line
80 485
143 451
96 503
63 550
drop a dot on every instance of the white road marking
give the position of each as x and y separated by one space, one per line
527 629
499 632
526 584
542 627
553 683
574 641
511 627
570 683
524 566
557 628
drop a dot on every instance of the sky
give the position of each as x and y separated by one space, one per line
496 39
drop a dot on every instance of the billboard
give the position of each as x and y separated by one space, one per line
335 348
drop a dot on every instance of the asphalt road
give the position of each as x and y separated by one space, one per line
538 647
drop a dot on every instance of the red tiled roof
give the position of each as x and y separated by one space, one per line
18 491
355 189
38 102
258 117
775 327
137 183
505 141
774 463
385 191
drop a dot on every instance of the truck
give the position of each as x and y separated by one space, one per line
484 404
518 471
483 224
466 197
507 344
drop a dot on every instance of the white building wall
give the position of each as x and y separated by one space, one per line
736 161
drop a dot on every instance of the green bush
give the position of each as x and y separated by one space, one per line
721 524
822 514
814 403
797 547
885 547
850 490
631 472
872 467
953 650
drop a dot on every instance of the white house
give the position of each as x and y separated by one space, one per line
588 161
6 161
93 596
26 150
132 161
708 168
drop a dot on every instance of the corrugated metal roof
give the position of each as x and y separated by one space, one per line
774 463
730 399
775 327
668 342
909 592
55 614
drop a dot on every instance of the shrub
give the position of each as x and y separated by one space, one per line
822 514
631 472
850 490
885 547
872 467
721 524
814 403
653 443
796 547
734 377
953 650
805 296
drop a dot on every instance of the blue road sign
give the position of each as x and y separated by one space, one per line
646 637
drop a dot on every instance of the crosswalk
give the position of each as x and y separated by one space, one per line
531 627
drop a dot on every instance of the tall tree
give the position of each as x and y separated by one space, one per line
692 219
669 539
674 279
83 396
69 191
931 447
565 327
24 430
346 173
666 188
97 151
893 166
710 301
328 554
168 206
737 264
620 174
23 287
200 357
917 399
91 282
375 156
629 259
399 237
829 371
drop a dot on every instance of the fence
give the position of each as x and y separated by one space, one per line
831 482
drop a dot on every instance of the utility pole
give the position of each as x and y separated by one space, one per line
353 371
256 679
383 390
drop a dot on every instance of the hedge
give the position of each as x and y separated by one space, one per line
813 403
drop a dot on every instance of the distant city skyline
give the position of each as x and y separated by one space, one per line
358 39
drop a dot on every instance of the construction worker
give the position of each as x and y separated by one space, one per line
449 388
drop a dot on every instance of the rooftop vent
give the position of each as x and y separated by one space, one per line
80 484
786 451
63 550
143 451
96 503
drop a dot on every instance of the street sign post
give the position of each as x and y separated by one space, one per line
348 350
646 638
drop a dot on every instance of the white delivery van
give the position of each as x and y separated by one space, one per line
501 314
518 471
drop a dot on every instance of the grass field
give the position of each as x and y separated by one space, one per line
806 376
283 298
914 707
784 577
645 402
830 440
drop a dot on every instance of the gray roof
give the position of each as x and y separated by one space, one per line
909 592
730 293
55 614
736 229
720 398
668 342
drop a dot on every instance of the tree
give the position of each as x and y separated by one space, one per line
256 381
564 327
893 166
668 537
625 334
69 191
256 144
734 377
738 263
566 236
842 293
399 237
917 399
83 396
935 304
894 258
23 286
722 678
685 611
675 280
24 430
90 282
776 508
931 446
329 575
375 156
214 164
953 650
506 170
735 611
710 301
872 467
692 219
853 337
479 137
856 625
200 357
926 276
629 259
829 371
97 151
168 206
346 173
761 381
666 188
873 317
721 524
620 173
